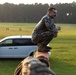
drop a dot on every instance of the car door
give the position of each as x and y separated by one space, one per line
23 47
6 48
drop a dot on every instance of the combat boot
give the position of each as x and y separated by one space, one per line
44 48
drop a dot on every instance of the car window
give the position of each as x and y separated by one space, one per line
8 42
23 42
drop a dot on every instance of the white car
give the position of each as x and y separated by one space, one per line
16 47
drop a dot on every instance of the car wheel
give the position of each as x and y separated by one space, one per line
32 54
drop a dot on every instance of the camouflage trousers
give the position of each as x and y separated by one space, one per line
42 38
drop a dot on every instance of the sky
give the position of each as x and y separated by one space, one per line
36 1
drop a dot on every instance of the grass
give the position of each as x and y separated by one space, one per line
14 29
62 59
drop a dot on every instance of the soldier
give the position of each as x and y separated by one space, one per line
36 65
45 30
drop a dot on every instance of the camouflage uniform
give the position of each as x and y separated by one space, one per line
36 65
44 31
32 66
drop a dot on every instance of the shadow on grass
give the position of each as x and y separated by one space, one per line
62 68
11 60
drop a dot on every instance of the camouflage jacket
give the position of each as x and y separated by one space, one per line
45 24
32 66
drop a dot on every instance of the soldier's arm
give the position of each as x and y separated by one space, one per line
50 25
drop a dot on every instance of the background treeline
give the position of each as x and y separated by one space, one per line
33 12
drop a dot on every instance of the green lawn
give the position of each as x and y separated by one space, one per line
62 59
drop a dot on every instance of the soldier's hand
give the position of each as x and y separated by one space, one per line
55 34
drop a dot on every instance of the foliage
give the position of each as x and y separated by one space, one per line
32 13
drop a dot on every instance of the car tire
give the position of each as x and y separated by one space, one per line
31 54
